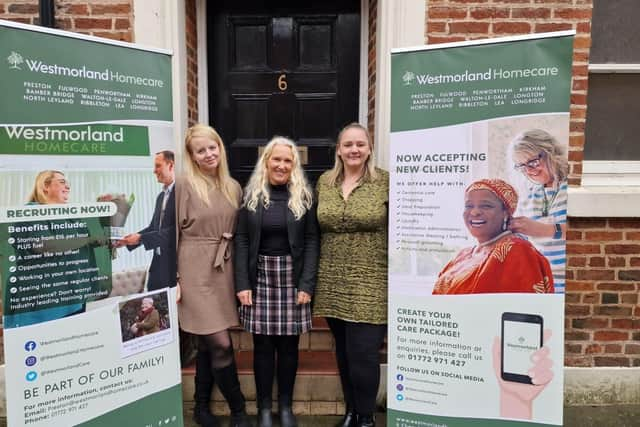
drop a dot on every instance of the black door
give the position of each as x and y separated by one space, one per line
282 68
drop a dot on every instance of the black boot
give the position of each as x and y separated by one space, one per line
287 419
203 381
265 418
349 419
229 385
366 421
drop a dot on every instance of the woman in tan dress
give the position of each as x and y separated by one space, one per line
207 201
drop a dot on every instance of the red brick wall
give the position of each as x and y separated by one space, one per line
602 312
603 274
371 66
192 62
456 20
105 18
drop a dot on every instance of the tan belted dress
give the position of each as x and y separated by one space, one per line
205 267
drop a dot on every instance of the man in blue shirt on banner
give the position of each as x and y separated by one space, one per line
160 234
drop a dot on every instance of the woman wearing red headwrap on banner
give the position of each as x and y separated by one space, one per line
501 262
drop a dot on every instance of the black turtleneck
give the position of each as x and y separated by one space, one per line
274 239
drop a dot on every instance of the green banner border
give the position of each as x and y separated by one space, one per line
149 410
396 418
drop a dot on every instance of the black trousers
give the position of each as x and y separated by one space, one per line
357 351
266 350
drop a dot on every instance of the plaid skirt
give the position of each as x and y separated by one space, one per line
274 310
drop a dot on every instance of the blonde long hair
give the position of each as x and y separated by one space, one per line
300 196
540 142
336 175
43 179
202 182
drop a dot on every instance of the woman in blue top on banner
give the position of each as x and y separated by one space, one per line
542 212
52 187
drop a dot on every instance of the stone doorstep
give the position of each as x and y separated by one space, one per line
601 386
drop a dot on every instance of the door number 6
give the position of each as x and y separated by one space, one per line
282 82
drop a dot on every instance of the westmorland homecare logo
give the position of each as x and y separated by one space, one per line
408 77
498 73
16 60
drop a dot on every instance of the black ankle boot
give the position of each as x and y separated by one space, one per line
265 418
240 419
227 379
287 419
202 416
366 421
349 419
203 382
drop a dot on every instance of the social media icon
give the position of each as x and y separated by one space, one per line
399 387
30 345
31 376
400 377
399 397
31 360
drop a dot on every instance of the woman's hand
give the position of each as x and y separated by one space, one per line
516 399
303 298
244 297
530 227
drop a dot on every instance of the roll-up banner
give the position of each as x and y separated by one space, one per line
478 210
81 121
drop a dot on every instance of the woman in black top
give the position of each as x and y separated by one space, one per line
276 260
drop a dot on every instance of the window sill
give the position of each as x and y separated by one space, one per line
609 189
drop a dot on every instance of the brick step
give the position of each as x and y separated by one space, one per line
315 340
319 338
309 363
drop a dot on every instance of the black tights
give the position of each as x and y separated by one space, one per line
215 359
265 348
357 351
218 349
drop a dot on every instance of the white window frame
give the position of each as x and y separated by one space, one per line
608 188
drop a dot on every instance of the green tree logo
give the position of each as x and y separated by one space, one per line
408 77
15 59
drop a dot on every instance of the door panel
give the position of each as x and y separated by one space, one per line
276 68
315 115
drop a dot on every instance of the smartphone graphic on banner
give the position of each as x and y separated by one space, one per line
521 337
